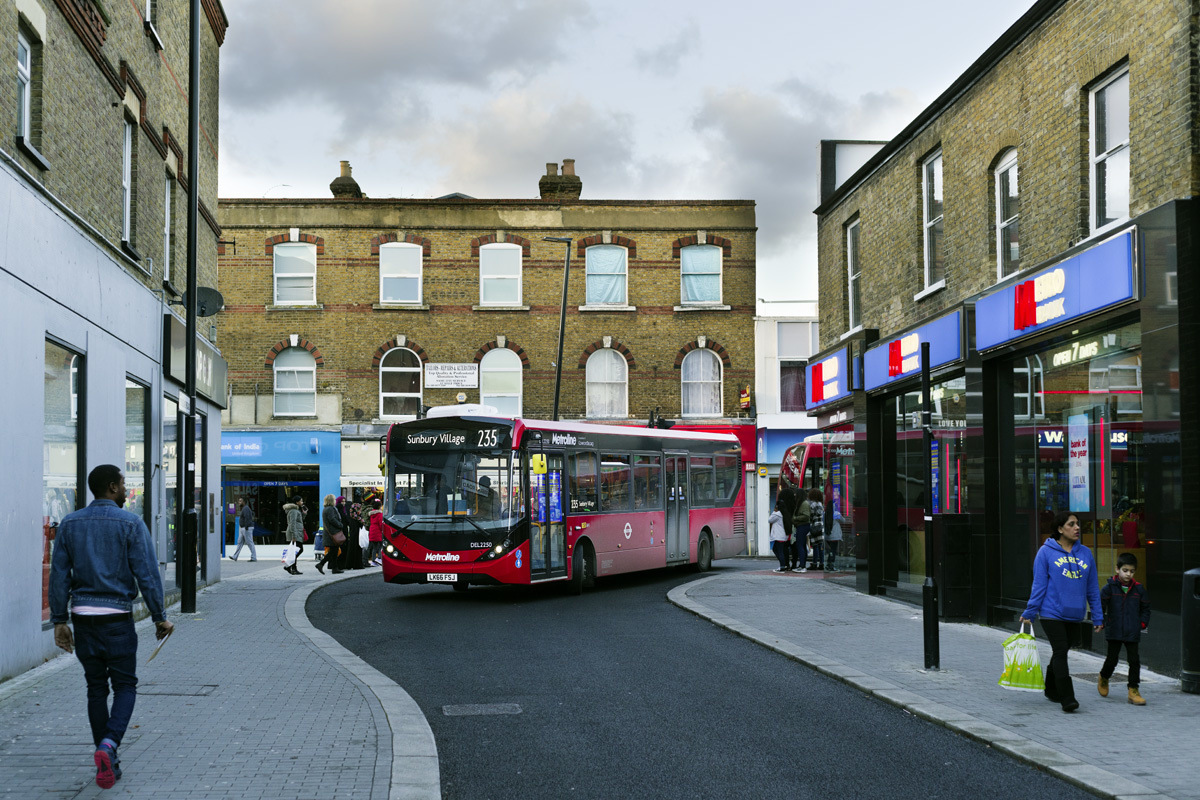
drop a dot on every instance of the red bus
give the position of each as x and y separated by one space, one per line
486 500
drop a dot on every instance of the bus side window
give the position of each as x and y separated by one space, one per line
702 480
647 479
728 472
582 483
615 479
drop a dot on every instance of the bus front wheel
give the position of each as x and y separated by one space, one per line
582 570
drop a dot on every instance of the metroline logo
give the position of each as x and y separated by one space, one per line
441 556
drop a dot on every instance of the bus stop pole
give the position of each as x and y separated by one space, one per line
929 593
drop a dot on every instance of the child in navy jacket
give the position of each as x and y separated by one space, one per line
1126 607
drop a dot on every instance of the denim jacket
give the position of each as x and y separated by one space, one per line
102 555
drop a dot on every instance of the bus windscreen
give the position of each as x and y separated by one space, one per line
475 490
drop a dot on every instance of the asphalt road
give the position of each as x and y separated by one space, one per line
533 693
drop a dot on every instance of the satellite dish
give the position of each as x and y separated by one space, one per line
208 301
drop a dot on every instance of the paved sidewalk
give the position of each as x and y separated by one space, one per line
246 700
1108 746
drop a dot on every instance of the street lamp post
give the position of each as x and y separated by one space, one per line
185 556
562 318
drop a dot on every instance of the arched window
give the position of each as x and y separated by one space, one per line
606 271
607 394
399 384
701 384
500 381
295 383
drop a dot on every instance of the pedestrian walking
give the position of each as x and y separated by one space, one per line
335 537
351 552
103 556
801 526
779 536
375 534
245 530
789 498
1064 586
1126 607
295 531
833 539
816 528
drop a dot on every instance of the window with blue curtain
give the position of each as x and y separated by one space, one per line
700 272
606 271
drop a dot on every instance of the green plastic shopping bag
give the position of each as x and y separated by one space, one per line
1022 666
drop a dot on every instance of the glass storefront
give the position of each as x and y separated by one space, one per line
1076 444
904 549
170 466
137 431
62 471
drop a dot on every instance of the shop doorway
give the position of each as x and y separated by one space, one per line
266 490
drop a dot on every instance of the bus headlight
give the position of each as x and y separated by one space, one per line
498 549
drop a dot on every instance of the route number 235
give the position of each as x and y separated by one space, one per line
488 438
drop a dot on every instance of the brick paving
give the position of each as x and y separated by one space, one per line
1108 746
245 701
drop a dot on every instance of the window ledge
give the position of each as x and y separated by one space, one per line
131 251
170 287
929 290
708 307
499 308
613 307
31 151
851 332
296 307
400 306
294 416
153 34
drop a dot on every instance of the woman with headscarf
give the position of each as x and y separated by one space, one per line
351 552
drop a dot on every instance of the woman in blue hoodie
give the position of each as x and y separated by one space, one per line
1065 584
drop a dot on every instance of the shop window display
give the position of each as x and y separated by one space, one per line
1085 455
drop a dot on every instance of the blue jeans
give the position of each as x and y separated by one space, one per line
107 648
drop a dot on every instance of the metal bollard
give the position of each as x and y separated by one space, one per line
1189 618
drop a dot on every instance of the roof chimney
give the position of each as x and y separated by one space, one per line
567 186
344 185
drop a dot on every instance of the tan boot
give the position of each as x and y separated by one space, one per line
1103 686
1136 698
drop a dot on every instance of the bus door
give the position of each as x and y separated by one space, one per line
547 531
677 506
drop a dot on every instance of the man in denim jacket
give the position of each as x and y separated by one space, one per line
102 556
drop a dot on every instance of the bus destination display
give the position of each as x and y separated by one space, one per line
462 439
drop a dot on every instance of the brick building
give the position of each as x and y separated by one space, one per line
94 181
1028 226
345 314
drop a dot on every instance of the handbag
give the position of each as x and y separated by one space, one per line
338 538
1022 664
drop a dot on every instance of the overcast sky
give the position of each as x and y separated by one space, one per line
654 99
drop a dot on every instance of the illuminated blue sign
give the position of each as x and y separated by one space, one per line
827 380
900 357
1082 284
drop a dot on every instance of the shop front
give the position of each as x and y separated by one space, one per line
1085 417
892 379
835 458
268 468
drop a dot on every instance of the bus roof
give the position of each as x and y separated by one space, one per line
622 430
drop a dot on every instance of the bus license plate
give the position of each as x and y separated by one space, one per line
443 577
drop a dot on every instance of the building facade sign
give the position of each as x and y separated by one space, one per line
828 380
451 376
1091 281
211 369
900 357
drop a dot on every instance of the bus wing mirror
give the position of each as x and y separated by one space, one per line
538 464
